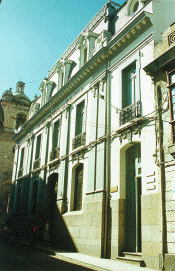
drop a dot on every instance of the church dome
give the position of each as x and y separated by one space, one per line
19 94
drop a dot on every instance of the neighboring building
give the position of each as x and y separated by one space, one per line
89 144
14 110
162 71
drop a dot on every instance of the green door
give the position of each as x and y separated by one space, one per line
133 201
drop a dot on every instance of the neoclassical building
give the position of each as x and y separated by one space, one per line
85 159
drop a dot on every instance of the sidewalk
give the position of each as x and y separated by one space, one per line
92 262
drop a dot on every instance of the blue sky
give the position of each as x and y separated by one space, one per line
34 34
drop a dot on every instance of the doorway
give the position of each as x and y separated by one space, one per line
133 199
52 193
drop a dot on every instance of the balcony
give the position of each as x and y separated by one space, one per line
55 153
78 141
36 164
20 172
130 112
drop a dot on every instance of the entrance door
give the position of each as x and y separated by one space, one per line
133 200
52 194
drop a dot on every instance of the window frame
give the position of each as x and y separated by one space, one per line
172 118
77 122
39 155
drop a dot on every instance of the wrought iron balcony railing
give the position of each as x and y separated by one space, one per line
78 141
55 153
130 112
36 164
20 172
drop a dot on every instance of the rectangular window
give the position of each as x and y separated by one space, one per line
55 152
85 55
129 85
56 135
20 172
79 119
22 159
38 147
131 106
171 92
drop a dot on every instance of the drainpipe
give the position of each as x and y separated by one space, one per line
65 207
17 164
162 177
106 196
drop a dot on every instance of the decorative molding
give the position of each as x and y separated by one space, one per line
171 38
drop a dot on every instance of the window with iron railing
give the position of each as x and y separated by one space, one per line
38 147
130 112
80 136
20 172
131 105
36 164
78 141
54 154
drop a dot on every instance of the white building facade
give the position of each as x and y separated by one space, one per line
85 157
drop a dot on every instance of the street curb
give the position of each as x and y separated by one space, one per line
63 258
73 261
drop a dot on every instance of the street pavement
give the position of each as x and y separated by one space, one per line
19 255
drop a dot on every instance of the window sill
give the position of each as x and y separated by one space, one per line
73 213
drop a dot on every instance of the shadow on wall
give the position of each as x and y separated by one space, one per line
62 235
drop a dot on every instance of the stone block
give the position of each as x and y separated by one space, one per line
93 242
151 262
145 217
155 249
83 232
170 237
145 202
114 235
146 233
155 216
114 205
170 216
170 205
89 250
74 231
114 250
171 248
155 234
168 196
154 200
87 220
98 232
92 207
96 219
115 220
169 262
91 232
171 226
99 206
78 220
146 248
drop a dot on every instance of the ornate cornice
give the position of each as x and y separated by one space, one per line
90 25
